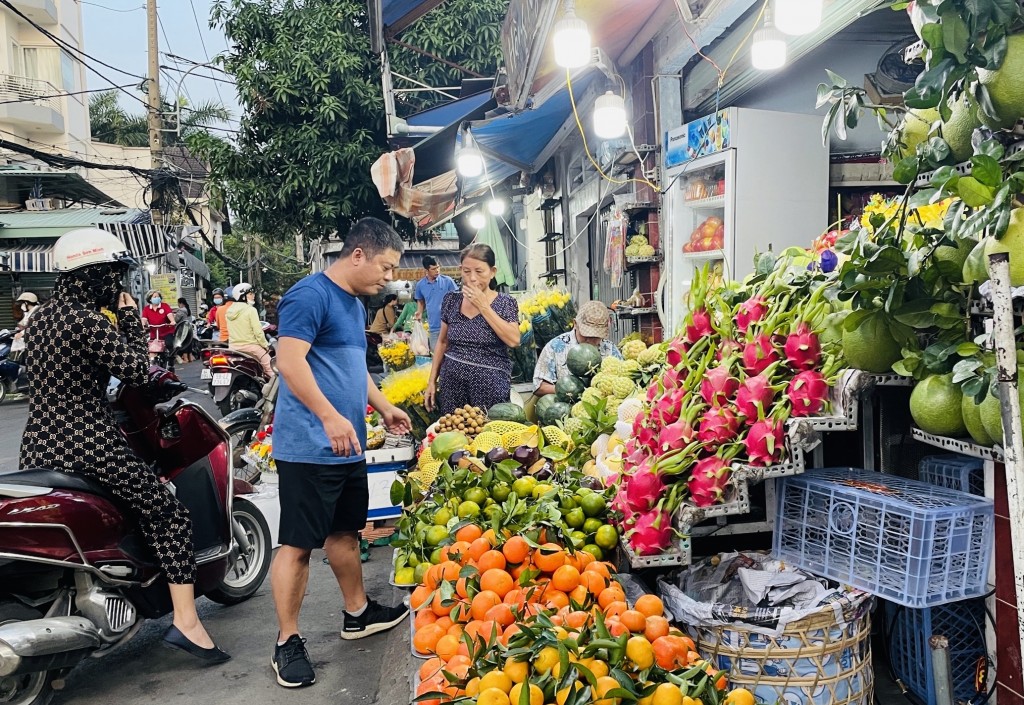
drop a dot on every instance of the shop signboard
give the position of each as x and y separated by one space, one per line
523 37
166 284
706 135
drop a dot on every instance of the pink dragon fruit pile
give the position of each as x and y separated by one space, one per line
734 376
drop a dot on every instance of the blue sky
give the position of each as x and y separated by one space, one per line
115 32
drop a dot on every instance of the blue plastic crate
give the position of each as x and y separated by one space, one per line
957 472
906 541
962 623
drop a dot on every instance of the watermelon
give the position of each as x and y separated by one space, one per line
543 403
554 412
584 361
569 388
506 411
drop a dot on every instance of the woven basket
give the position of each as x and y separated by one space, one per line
816 660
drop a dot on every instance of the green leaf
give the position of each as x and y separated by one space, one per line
955 36
906 170
974 193
932 35
837 80
397 493
986 170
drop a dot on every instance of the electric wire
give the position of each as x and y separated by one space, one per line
112 9
202 42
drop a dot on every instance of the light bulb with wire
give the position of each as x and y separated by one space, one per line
571 39
796 17
496 206
469 161
768 52
477 220
151 267
609 116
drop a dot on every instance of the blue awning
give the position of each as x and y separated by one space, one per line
452 112
526 140
399 14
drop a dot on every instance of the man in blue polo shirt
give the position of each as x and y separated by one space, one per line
319 437
430 290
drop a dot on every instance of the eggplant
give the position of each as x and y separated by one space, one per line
526 455
497 455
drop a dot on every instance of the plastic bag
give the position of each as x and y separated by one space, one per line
614 251
419 342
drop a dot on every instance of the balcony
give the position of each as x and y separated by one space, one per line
40 11
36 109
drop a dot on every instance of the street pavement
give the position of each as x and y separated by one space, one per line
374 670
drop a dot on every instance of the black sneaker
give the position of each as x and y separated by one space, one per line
291 664
375 618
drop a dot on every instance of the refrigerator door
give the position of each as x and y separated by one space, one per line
701 226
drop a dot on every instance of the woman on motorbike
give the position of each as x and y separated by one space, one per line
72 352
159 318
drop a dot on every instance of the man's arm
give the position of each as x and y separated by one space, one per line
544 372
294 368
418 316
395 419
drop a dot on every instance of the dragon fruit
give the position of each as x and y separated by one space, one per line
718 386
668 408
708 480
808 392
726 348
647 438
755 397
643 489
673 378
751 311
675 436
620 505
676 352
758 354
718 426
652 532
764 442
803 352
699 327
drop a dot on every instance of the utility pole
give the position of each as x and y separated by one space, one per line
156 148
257 268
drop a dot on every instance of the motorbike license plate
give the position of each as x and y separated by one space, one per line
222 379
206 373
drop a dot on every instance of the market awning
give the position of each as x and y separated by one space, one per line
21 184
527 139
396 15
435 155
27 258
142 239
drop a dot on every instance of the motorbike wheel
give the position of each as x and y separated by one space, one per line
26 688
3 398
246 576
242 434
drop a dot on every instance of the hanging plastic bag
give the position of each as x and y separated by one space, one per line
420 342
614 251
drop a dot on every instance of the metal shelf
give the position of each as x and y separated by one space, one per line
672 557
958 445
705 255
645 206
710 202
636 312
632 262
552 273
550 237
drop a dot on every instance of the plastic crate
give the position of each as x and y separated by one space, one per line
957 472
963 623
906 541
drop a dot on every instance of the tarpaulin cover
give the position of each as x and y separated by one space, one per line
451 112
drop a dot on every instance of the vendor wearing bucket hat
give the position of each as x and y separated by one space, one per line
592 324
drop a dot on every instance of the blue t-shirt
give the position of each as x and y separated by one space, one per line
432 294
332 321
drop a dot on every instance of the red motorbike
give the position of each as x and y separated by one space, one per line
236 378
77 579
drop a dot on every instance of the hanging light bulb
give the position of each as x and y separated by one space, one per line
797 17
768 51
477 220
151 267
609 116
469 161
496 207
571 40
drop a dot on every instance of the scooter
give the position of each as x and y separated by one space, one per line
236 378
76 578
13 377
242 425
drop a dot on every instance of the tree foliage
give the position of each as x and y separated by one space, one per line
111 123
313 110
278 268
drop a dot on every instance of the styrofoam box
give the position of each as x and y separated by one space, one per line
909 542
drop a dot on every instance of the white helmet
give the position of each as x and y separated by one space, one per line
239 290
87 246
28 297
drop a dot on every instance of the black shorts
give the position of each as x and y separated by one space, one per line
318 500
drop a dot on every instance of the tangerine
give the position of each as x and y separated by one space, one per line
446 647
462 588
593 582
457 552
483 601
491 559
616 628
469 533
496 580
609 595
478 548
650 605
444 622
616 608
424 617
501 614
635 621
599 567
514 597
516 550
431 667
418 597
549 557
450 570
566 578
556 599
425 639
579 595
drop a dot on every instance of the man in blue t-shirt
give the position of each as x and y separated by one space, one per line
430 290
319 436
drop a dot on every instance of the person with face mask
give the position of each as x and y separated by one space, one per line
158 317
211 315
27 304
72 352
244 329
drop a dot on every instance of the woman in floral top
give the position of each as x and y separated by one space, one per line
478 326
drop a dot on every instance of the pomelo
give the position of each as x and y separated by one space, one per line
871 347
915 128
972 419
991 413
1006 85
955 257
936 406
962 123
1012 242
832 327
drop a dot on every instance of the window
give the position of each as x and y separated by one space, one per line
49 64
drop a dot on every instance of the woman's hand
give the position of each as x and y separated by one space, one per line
429 395
472 296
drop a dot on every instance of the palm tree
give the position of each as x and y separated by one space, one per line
112 124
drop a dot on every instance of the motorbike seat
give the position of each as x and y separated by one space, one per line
39 477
